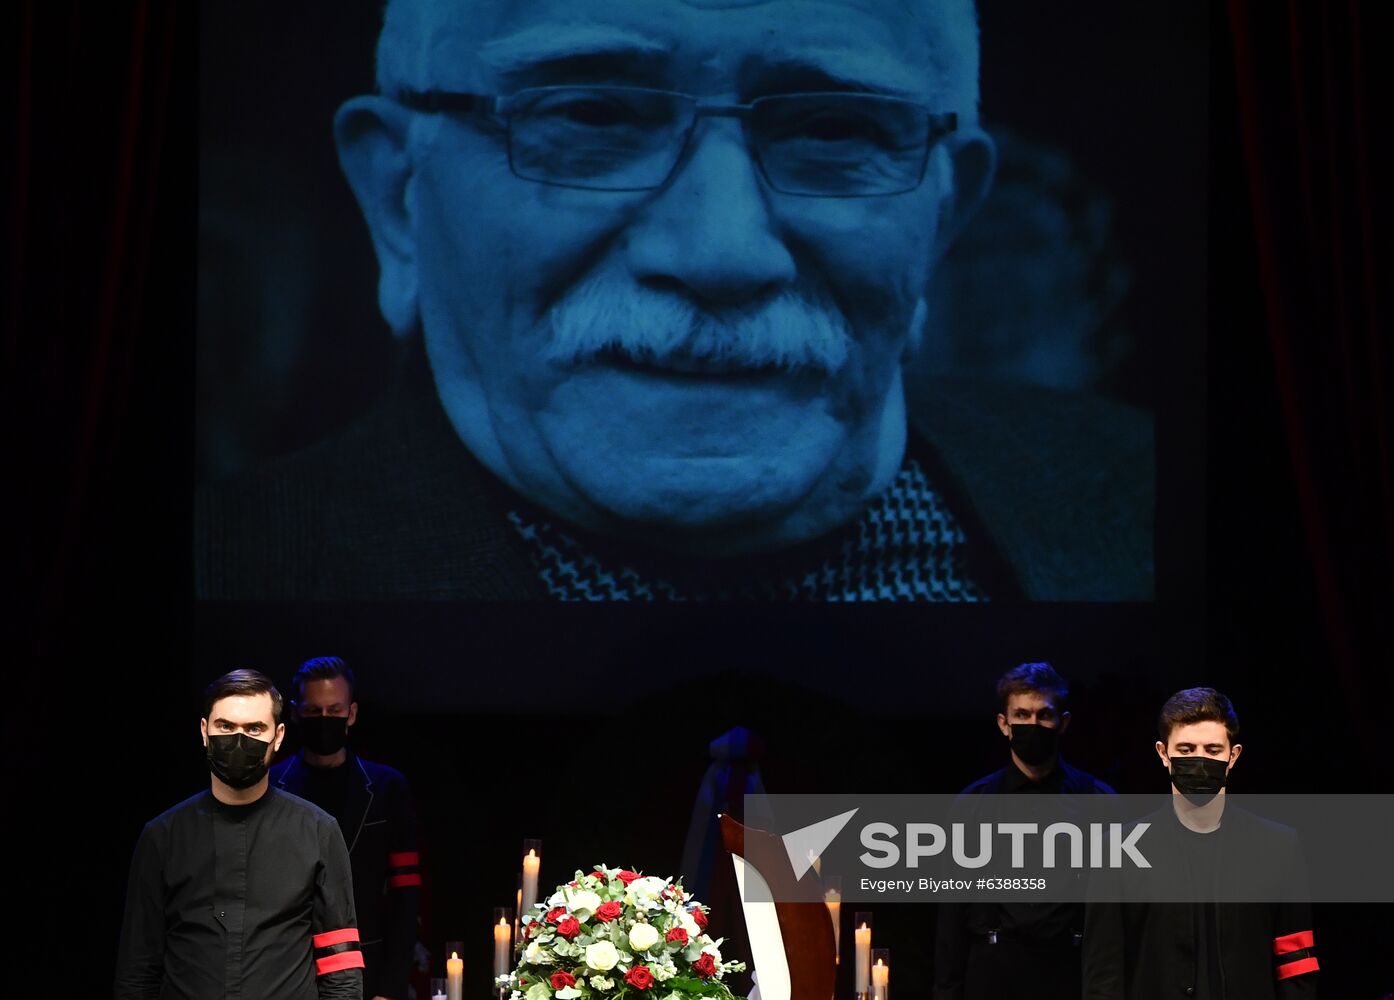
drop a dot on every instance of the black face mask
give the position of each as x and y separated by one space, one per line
324 734
1033 743
238 760
1199 779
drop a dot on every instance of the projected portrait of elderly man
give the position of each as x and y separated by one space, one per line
664 260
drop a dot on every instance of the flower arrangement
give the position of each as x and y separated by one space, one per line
613 933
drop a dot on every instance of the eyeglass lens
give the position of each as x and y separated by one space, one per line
631 139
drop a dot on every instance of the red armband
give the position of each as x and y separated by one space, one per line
1294 955
337 950
405 867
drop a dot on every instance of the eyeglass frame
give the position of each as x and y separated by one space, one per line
434 101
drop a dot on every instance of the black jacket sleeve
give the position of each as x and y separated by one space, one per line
140 961
403 891
1294 945
334 924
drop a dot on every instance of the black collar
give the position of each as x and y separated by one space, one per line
1015 780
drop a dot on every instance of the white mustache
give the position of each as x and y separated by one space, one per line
795 330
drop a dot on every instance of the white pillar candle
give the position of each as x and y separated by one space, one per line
454 977
502 935
531 863
833 899
880 980
863 942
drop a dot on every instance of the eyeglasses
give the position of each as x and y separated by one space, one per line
822 145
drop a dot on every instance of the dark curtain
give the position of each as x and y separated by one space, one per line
1311 86
100 159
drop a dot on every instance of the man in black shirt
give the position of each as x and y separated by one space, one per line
374 809
1001 951
1205 949
241 891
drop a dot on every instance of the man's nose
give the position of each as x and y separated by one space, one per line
709 232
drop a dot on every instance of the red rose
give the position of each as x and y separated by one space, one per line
626 876
639 977
700 918
606 912
600 875
569 928
678 934
556 914
560 980
705 966
574 885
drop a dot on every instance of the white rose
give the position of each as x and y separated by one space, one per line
642 937
537 955
602 956
582 899
644 893
649 885
686 922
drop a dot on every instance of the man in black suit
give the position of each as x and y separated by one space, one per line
375 813
1208 948
1005 951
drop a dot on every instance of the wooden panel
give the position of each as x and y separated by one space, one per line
805 926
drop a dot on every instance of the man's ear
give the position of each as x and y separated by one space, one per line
972 157
352 713
1162 753
203 730
1002 725
1064 723
1234 753
371 135
279 738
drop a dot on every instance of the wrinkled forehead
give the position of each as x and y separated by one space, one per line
925 49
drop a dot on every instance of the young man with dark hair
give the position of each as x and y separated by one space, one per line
375 812
242 890
989 951
1205 949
